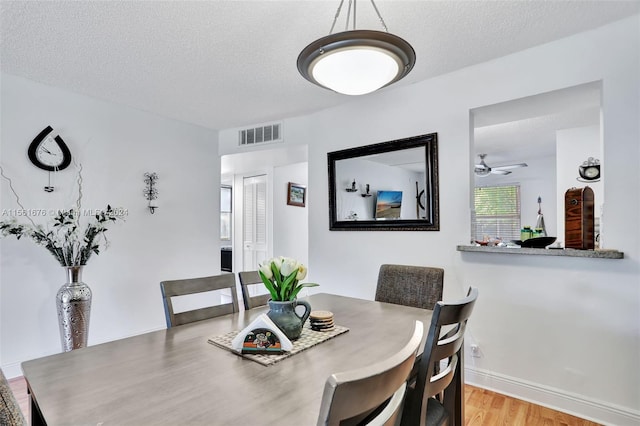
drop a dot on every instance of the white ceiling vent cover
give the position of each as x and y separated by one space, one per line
268 133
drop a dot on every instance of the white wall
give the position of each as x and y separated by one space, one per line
573 146
560 331
290 223
115 145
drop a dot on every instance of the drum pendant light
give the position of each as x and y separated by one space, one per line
356 62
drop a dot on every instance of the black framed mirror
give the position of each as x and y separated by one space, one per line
388 186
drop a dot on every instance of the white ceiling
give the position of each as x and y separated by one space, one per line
223 64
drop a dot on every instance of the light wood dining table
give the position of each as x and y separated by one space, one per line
176 377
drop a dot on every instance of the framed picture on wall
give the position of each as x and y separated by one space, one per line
296 194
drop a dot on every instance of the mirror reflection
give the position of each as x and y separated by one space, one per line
382 186
387 186
553 134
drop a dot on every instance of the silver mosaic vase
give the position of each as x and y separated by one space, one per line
74 308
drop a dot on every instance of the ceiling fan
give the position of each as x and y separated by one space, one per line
483 170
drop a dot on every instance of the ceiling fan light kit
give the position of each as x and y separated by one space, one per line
356 62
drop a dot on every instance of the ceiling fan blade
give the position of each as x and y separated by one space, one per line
510 166
500 172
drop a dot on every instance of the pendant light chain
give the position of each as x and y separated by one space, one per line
346 25
379 17
354 13
335 18
346 22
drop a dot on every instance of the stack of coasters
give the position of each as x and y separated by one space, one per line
321 321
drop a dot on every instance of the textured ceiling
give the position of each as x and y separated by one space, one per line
223 64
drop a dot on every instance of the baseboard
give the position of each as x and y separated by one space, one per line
576 405
12 370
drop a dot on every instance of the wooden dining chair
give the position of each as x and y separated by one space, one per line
10 414
171 289
442 354
417 286
248 278
371 395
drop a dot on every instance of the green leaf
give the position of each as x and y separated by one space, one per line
287 285
276 274
267 283
300 287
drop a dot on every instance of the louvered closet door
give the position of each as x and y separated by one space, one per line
255 222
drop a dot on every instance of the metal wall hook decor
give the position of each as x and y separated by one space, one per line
151 192
353 187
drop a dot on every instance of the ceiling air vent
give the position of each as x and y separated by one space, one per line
261 134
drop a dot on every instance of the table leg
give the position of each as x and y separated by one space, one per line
35 414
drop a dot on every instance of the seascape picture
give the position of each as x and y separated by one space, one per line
388 205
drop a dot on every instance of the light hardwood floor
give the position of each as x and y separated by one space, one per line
482 407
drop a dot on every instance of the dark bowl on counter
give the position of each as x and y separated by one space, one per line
538 242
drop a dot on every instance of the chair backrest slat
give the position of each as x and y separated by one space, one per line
357 393
189 286
440 356
248 278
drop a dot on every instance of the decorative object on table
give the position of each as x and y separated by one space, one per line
261 341
579 219
281 276
540 228
296 194
284 315
589 170
308 339
274 340
321 321
356 62
49 153
73 301
151 192
72 248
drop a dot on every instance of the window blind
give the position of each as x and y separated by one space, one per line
497 212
